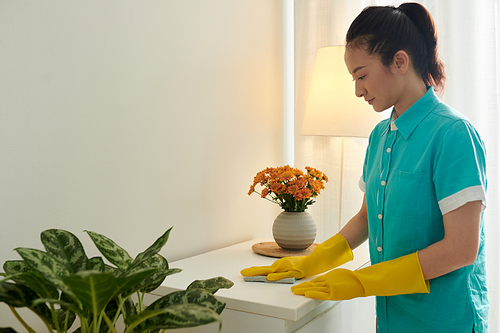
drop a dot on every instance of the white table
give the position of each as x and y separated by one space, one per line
252 306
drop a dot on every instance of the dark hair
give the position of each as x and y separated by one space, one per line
384 30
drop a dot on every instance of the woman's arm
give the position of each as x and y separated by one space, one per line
460 244
356 230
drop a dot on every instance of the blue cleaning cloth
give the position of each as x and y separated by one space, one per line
263 278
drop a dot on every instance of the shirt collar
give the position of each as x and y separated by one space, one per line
394 116
409 120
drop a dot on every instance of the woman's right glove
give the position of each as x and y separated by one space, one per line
326 256
398 276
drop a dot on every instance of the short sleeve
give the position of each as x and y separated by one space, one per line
362 184
459 170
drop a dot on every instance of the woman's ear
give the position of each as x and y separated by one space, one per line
401 62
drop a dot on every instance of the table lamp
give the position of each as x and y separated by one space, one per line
332 107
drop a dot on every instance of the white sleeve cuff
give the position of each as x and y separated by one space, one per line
362 184
462 197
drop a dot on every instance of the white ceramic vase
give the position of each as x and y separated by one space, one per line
294 231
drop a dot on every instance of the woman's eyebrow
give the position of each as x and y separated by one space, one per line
357 69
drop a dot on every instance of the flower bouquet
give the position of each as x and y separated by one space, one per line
290 188
293 190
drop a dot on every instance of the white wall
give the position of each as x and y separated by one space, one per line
129 117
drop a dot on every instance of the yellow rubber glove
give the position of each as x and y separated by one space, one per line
327 255
394 277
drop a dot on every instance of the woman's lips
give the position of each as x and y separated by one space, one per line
370 101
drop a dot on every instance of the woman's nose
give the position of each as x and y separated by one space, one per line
358 89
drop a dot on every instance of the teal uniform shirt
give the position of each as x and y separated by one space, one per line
426 163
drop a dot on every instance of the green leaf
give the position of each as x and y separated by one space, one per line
197 296
39 285
151 251
161 272
111 310
212 285
67 312
66 248
93 289
110 250
155 280
65 305
15 295
20 296
175 316
47 266
12 267
131 283
129 308
96 264
7 330
65 319
15 268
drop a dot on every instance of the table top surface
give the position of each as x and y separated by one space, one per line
269 299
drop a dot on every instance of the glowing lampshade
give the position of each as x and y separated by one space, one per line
332 106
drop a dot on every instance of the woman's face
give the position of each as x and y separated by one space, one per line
376 83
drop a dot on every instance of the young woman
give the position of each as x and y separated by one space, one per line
424 181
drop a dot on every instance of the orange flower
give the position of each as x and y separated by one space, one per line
316 185
277 188
304 193
291 188
301 182
252 188
259 178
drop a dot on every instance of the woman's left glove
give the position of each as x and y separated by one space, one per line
394 277
327 255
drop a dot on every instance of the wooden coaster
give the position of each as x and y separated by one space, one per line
271 249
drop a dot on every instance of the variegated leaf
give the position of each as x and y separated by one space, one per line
66 248
65 319
212 285
197 296
20 296
65 298
39 285
7 330
14 268
47 266
155 280
132 282
175 316
16 295
110 250
96 264
151 251
129 308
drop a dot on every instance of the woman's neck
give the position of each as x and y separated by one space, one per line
413 91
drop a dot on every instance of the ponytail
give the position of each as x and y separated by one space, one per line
386 30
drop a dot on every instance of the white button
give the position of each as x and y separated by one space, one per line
382 183
388 150
379 249
380 216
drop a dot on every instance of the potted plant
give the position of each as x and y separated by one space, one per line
294 191
61 284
